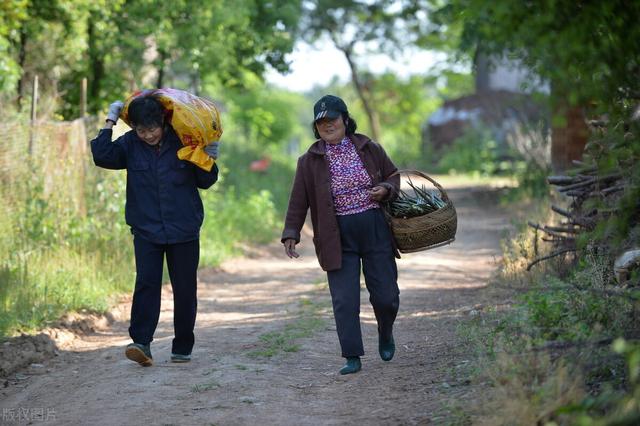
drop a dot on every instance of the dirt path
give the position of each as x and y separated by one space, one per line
267 352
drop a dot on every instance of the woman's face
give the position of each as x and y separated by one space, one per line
331 130
151 135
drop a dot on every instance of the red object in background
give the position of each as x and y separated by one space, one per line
261 165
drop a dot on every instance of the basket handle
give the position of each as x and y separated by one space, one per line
419 173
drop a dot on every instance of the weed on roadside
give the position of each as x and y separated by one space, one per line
307 321
203 387
547 357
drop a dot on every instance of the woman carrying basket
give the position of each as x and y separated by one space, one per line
342 179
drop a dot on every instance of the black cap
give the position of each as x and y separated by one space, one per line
329 106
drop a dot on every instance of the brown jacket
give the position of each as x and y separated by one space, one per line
312 190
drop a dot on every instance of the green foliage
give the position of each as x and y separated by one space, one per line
565 313
263 117
276 180
12 15
64 244
477 151
583 305
583 50
548 329
616 151
233 217
54 259
532 183
359 25
373 21
587 49
403 106
420 202
612 407
120 45
453 84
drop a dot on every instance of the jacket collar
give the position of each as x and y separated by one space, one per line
359 140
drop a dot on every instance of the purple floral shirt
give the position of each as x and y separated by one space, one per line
349 179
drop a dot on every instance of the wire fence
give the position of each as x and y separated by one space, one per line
48 157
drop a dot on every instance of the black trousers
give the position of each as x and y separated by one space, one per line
182 263
366 243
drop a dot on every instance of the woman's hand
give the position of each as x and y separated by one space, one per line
378 193
212 150
114 111
290 248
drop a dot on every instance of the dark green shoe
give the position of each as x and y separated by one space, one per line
139 353
180 358
386 348
353 365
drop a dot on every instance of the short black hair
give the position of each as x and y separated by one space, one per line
146 111
349 123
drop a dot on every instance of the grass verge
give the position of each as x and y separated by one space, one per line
64 243
307 321
562 351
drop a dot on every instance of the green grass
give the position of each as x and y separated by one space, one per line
233 219
64 243
539 355
203 387
306 322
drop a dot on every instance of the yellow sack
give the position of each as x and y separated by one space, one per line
196 121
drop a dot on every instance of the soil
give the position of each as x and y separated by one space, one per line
267 351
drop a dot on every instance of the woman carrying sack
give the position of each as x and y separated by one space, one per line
342 179
165 213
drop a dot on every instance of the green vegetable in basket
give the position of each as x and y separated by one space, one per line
420 203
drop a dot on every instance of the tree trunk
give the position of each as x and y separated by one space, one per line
569 130
163 57
364 96
96 65
568 136
22 59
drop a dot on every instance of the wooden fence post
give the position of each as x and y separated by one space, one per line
83 98
34 113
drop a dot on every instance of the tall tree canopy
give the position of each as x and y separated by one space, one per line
354 26
122 44
589 50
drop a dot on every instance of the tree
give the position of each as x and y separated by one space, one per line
12 16
23 25
384 26
351 24
122 45
588 51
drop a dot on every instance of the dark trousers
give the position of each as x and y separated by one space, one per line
366 240
182 263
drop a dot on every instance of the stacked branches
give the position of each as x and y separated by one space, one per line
604 214
584 185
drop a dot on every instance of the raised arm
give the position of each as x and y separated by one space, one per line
108 154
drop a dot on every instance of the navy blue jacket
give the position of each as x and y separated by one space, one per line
163 204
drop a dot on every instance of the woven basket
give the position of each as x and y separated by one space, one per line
428 231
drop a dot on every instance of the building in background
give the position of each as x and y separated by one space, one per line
503 106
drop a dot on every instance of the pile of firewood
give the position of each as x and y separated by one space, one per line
583 184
